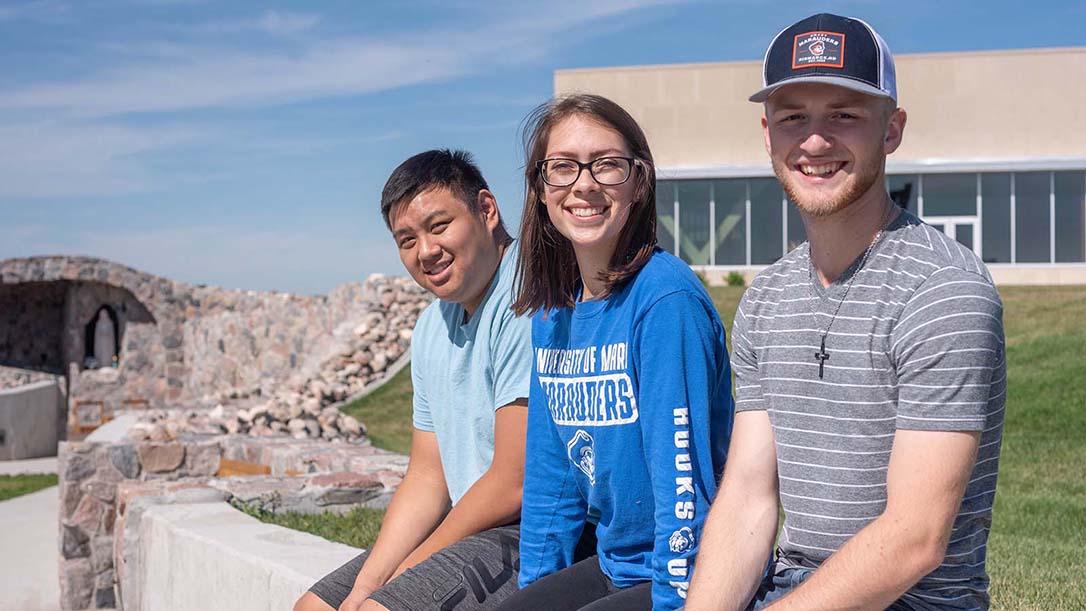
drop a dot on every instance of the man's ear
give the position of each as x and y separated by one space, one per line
765 134
895 130
487 205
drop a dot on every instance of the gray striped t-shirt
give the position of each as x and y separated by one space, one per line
917 344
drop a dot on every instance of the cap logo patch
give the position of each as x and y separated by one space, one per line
824 49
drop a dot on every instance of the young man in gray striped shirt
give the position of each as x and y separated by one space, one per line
869 362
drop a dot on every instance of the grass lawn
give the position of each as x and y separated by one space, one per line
12 486
1037 551
357 528
386 412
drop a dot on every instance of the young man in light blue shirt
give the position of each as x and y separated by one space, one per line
449 539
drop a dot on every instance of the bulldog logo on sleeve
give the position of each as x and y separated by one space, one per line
681 540
582 453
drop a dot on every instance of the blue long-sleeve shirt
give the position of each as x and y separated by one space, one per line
629 416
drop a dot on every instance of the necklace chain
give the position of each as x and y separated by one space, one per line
822 356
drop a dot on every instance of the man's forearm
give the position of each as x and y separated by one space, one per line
416 509
871 571
735 546
494 500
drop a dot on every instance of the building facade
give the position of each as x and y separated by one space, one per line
994 155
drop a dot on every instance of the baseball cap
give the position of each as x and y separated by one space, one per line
831 49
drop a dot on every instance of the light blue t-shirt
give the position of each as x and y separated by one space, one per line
463 372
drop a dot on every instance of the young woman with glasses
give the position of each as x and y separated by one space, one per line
630 403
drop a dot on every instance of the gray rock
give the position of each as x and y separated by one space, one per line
73 542
77 466
350 425
379 362
76 584
105 598
296 411
312 406
101 554
124 459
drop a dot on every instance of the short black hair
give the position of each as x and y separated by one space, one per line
438 168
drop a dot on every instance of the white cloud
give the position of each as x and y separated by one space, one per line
214 78
58 159
243 79
274 23
72 137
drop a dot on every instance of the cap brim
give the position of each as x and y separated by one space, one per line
763 94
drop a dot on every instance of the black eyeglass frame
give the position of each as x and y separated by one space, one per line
581 167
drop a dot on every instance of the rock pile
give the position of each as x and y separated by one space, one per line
306 406
261 420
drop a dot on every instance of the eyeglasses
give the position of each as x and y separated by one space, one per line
607 171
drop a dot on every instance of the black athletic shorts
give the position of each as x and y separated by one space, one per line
475 573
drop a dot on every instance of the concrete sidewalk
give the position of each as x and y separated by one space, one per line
30 465
28 551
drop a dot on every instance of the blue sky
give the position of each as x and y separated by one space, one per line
245 144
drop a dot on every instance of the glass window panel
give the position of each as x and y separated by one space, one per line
963 232
1070 217
766 226
903 189
1031 191
665 215
730 197
995 227
950 195
694 221
797 233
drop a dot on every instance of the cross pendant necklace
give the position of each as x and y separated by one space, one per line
822 355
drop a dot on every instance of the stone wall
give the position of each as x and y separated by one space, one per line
31 325
181 344
272 365
99 483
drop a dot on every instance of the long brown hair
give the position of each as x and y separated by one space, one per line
547 271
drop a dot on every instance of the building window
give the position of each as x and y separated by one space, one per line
665 215
694 199
1031 222
904 190
1019 217
730 199
1070 207
797 233
950 195
995 230
766 220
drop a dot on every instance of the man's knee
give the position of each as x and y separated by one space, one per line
311 602
372 605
